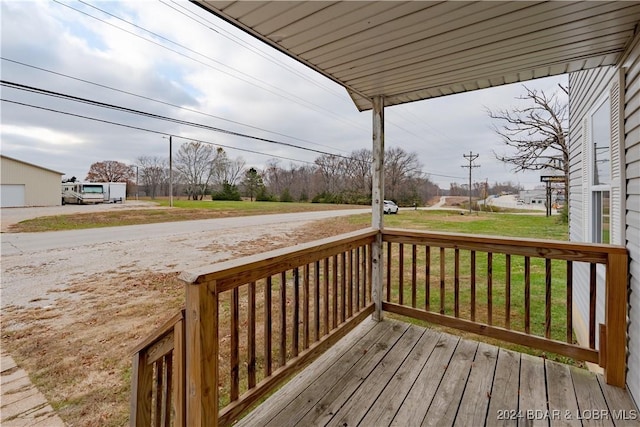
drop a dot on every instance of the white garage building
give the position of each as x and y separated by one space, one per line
26 184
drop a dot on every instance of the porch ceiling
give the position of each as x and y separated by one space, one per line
408 51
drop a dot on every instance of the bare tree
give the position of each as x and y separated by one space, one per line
194 161
152 172
110 171
225 170
537 133
400 168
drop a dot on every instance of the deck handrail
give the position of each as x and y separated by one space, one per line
447 250
157 378
301 300
311 294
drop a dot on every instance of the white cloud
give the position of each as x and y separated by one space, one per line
304 108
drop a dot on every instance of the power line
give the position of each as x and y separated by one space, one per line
164 102
159 117
286 95
237 40
149 130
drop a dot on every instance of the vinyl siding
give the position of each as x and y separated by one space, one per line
632 219
586 89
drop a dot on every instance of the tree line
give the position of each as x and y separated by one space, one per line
203 171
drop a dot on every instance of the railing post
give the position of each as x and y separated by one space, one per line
616 319
141 390
377 198
201 317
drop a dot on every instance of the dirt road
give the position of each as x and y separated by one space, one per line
38 267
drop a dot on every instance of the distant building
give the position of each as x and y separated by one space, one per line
532 197
25 184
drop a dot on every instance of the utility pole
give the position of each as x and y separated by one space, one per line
170 172
471 157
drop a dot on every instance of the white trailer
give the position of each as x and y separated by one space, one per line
82 193
114 192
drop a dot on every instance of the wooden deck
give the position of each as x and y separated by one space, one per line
394 373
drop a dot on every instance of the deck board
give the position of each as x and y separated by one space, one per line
503 407
392 373
475 402
388 403
561 395
533 399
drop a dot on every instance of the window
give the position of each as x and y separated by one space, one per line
601 173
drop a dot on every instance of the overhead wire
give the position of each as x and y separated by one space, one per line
237 40
284 94
46 92
140 128
167 103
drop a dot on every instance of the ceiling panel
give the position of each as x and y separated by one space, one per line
407 51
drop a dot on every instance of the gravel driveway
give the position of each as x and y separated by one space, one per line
36 267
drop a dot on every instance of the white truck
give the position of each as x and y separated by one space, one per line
82 193
114 192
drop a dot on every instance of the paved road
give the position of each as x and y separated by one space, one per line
34 265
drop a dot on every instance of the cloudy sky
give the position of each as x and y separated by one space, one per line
169 58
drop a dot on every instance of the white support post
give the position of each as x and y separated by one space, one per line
377 197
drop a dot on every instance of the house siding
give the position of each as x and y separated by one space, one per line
632 214
586 89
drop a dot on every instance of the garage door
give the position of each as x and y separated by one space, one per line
11 195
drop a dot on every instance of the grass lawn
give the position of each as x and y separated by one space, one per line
183 210
77 350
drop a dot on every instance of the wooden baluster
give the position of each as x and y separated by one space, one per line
366 265
358 284
507 292
295 322
235 344
473 286
490 288
326 296
456 283
334 290
283 318
316 307
350 285
167 391
343 287
414 274
389 260
547 302
570 301
443 274
527 294
592 305
400 273
160 376
305 307
427 278
251 337
267 326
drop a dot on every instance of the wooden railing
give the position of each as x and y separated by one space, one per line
516 290
157 379
249 324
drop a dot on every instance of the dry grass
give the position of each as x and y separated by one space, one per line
78 350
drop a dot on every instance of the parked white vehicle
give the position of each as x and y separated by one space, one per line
82 193
390 207
114 192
